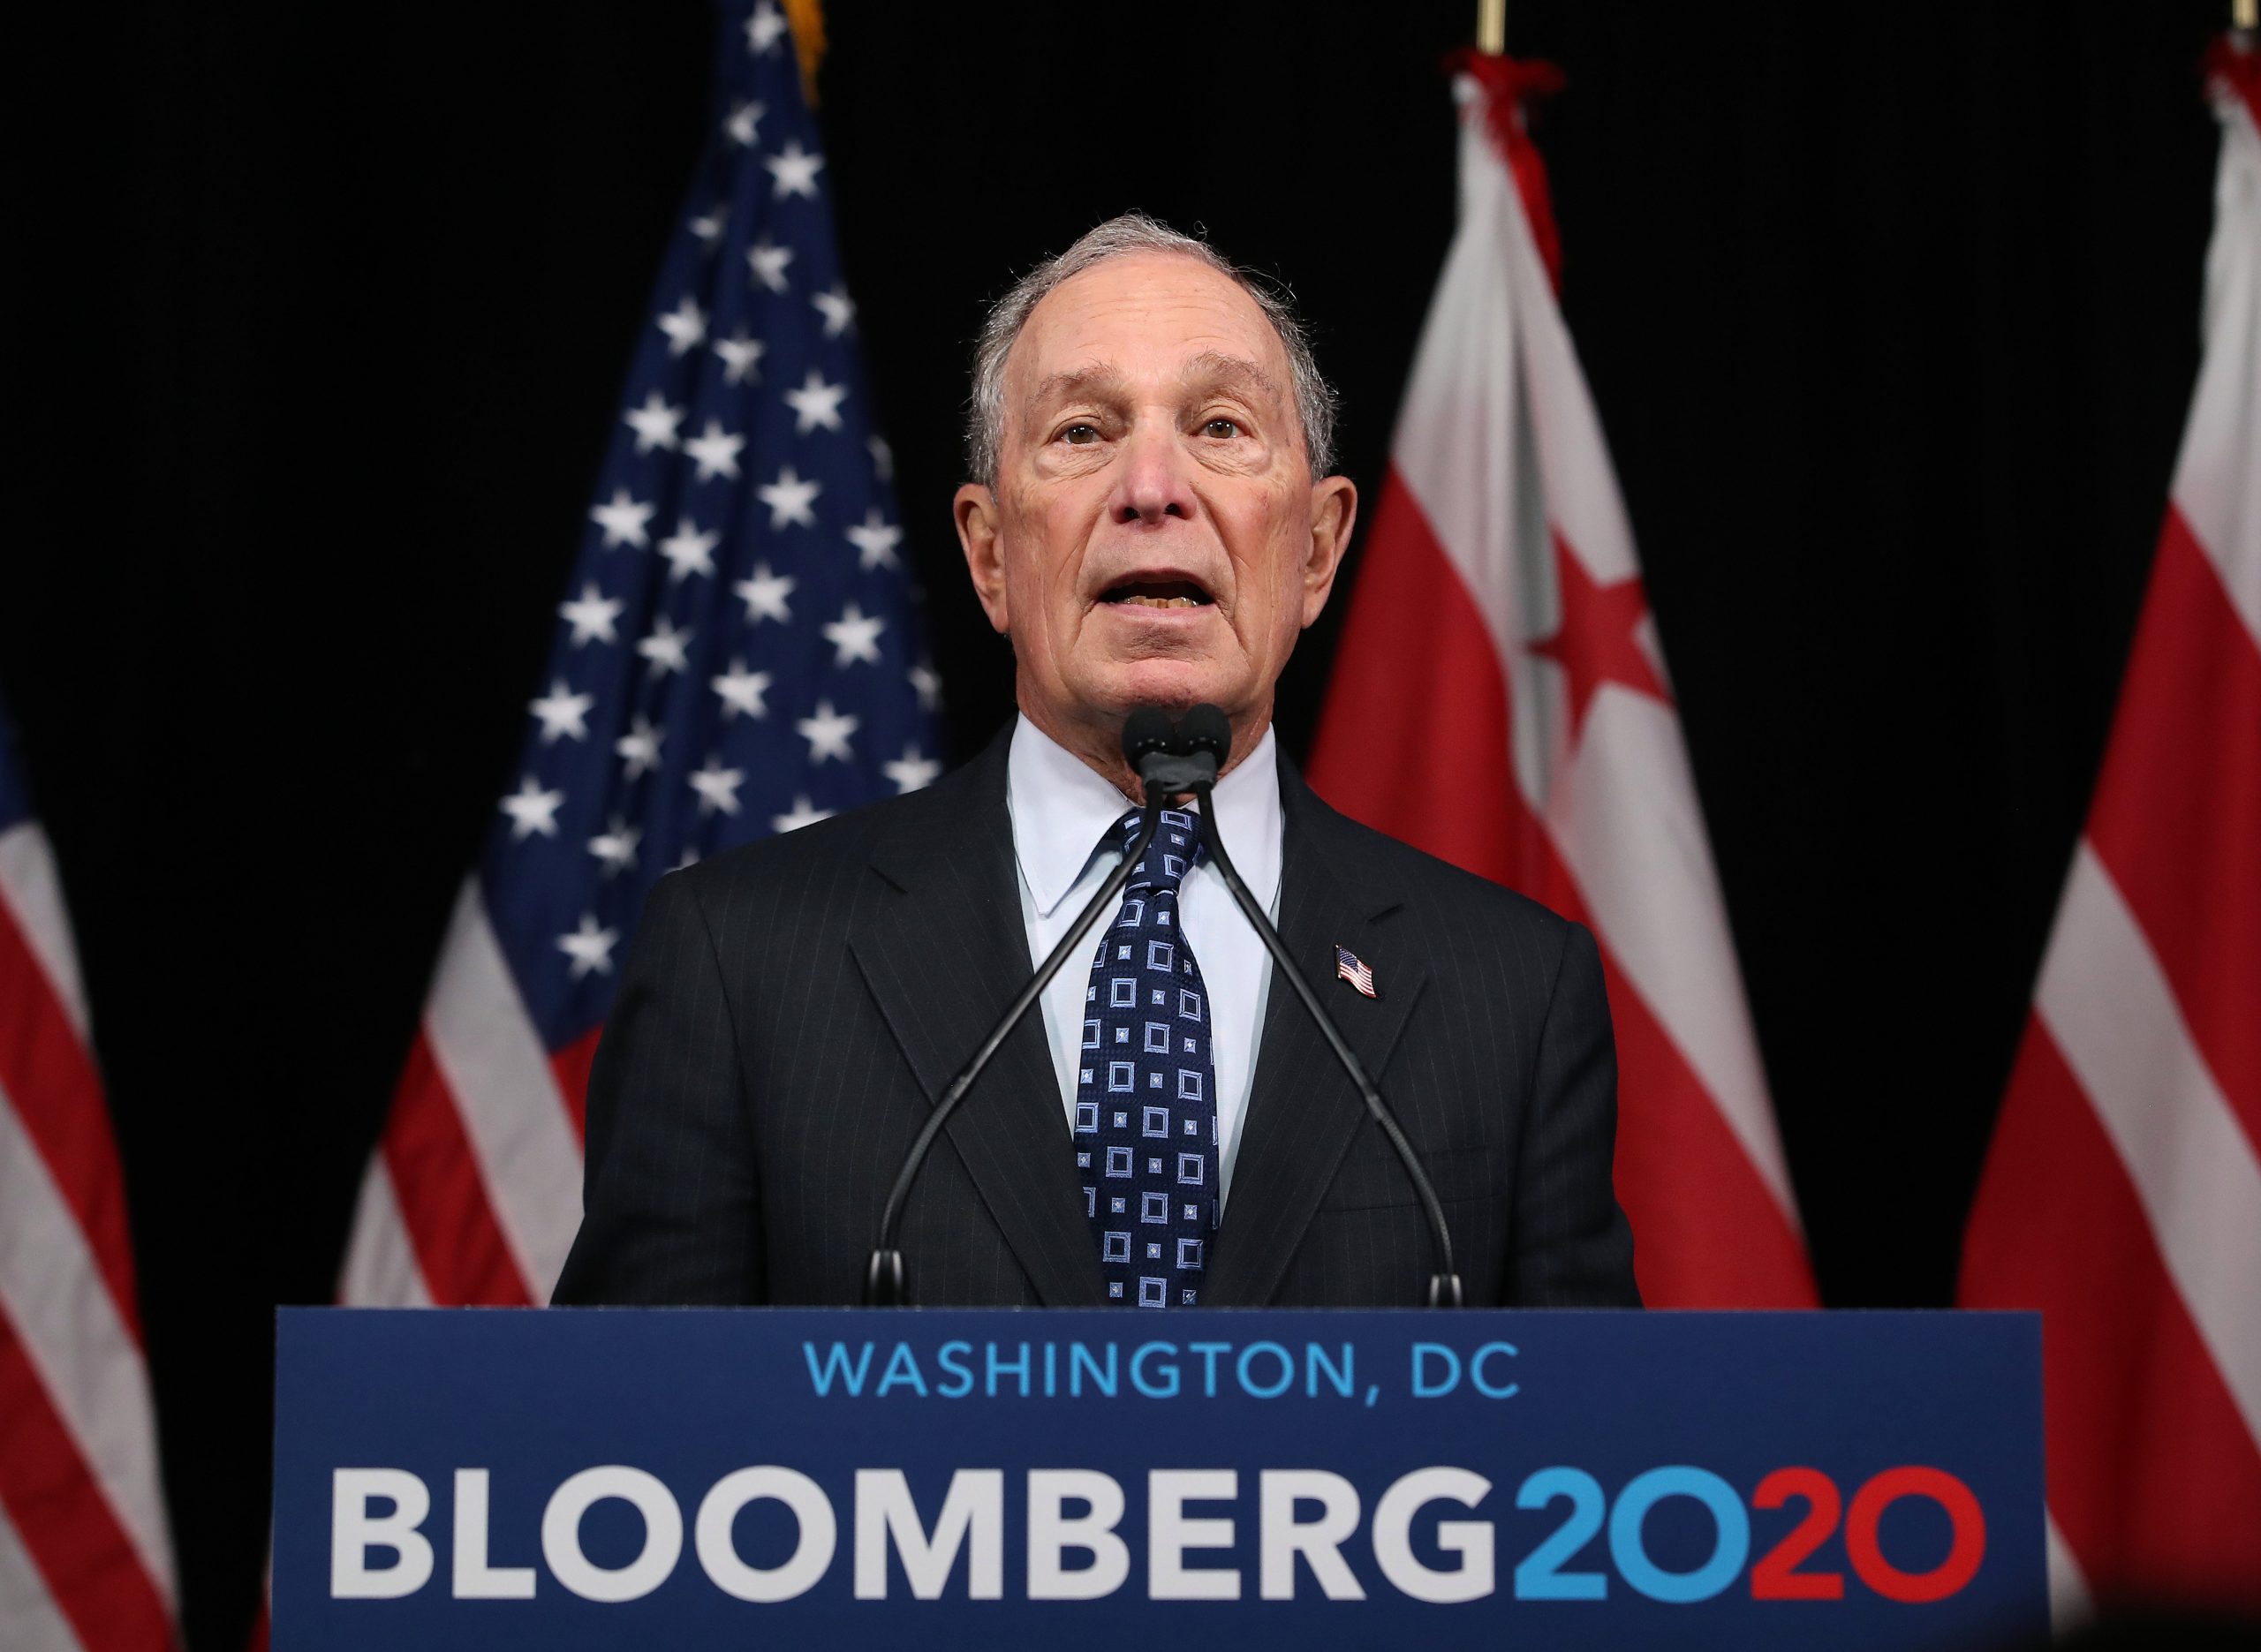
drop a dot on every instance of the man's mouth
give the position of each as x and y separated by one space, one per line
1158 593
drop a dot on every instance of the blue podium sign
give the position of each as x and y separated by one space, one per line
604 1477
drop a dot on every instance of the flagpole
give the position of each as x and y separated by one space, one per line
2244 15
1492 25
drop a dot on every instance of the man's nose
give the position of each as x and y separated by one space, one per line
1151 487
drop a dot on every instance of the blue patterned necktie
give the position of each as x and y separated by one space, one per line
1146 1093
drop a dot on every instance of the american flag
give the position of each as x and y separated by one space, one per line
1352 967
85 1558
739 652
2123 1195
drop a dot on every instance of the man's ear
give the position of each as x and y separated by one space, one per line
975 509
1334 511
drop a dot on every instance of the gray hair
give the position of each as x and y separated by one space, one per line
1117 237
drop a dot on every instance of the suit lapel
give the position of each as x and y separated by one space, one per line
943 954
1303 1111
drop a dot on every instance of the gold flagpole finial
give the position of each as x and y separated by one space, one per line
807 18
2245 15
1492 27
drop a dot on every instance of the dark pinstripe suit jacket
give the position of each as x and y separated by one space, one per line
790 1010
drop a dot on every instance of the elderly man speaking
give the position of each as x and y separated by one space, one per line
1152 524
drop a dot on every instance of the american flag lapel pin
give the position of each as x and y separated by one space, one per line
1352 967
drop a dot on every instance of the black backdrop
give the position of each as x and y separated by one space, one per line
1891 314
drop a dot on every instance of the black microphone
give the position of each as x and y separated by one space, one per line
1205 732
1147 741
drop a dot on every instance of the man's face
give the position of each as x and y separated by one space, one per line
1154 536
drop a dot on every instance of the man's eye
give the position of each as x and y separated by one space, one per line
1222 429
1080 435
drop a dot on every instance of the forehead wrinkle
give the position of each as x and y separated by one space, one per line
1098 379
1212 369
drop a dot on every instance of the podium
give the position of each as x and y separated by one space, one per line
1094 1479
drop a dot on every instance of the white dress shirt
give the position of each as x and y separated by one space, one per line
1062 807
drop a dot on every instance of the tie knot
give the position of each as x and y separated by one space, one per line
1175 848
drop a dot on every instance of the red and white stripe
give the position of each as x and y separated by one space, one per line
2122 1194
85 1558
1548 753
474 1193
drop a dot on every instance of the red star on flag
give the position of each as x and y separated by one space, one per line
1597 642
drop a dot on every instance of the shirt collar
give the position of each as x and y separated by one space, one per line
1060 806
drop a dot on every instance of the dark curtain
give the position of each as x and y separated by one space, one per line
316 327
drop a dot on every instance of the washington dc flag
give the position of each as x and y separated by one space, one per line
1499 699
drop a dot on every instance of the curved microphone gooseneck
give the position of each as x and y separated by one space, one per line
1206 730
1146 742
